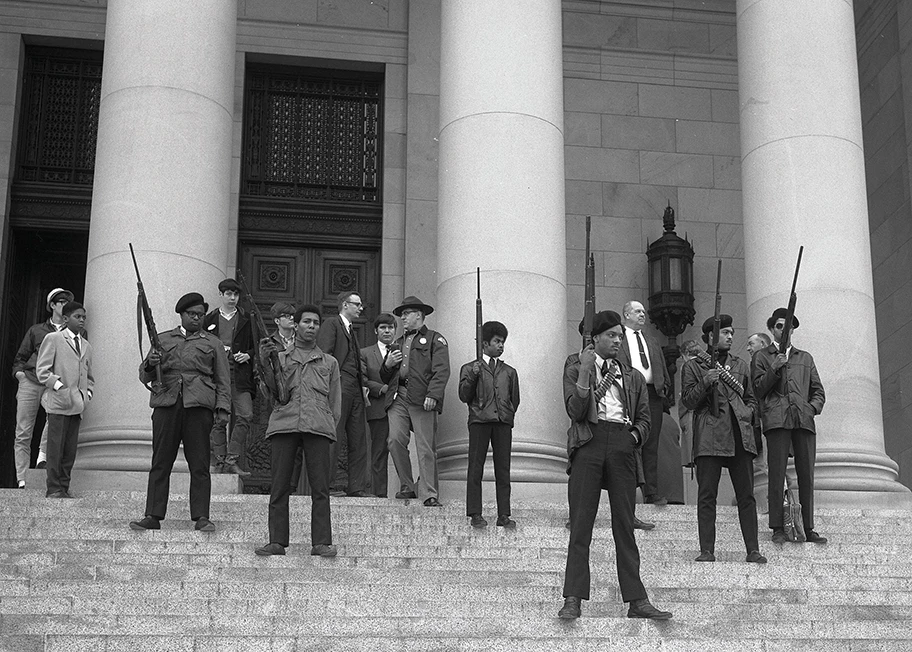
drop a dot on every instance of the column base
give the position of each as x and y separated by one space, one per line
88 480
531 462
118 449
864 499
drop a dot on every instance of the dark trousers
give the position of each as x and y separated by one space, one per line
316 461
500 437
171 426
607 460
352 426
63 437
804 445
741 470
379 432
650 447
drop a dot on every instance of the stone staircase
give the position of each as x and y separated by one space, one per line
75 578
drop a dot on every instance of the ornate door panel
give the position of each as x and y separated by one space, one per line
337 271
274 274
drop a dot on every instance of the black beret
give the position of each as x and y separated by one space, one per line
604 320
782 313
725 321
189 300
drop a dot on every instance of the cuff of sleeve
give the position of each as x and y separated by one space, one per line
57 385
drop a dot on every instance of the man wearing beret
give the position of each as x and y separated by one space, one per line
30 391
723 437
609 419
419 368
790 395
195 383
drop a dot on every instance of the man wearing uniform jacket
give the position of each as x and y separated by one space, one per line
723 440
195 384
419 369
381 397
787 419
609 418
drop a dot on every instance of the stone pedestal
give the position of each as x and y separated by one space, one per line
162 182
803 182
501 208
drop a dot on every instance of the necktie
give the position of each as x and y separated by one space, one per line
644 359
492 364
76 342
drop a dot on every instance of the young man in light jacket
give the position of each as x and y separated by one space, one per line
64 366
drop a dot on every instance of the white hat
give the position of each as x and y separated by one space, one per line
53 294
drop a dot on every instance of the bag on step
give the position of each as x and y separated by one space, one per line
791 516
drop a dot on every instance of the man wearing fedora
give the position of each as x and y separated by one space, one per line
195 383
28 396
418 367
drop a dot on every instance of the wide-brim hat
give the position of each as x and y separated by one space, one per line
415 304
782 313
54 294
191 299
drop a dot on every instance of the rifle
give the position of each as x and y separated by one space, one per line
714 342
589 290
144 311
786 338
259 332
478 336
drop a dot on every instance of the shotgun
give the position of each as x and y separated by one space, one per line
144 313
259 332
714 341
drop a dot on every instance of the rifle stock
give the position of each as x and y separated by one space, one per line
589 290
259 332
714 341
478 321
145 311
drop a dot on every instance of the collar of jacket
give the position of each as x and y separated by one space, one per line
300 355
773 349
423 330
177 332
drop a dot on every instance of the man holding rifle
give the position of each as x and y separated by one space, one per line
790 395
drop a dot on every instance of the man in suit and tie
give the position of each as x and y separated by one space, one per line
644 354
337 338
64 366
380 396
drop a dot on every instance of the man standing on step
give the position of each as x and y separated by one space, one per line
30 391
419 368
609 414
308 421
337 338
381 397
790 395
232 327
195 383
643 353
723 437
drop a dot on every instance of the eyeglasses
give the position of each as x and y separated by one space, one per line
195 316
355 303
60 301
286 315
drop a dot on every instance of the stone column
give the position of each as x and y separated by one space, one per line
162 182
501 208
803 181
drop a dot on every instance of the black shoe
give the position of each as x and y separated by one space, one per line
270 549
58 494
642 525
146 523
478 521
41 465
324 550
571 609
203 524
754 557
337 493
706 555
405 495
432 502
505 521
779 536
644 609
658 501
568 524
813 537
360 494
232 467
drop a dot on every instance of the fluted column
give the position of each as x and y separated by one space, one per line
501 208
162 182
803 182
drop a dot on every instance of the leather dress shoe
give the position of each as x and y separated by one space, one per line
232 467
706 555
270 549
324 550
642 525
571 609
779 536
644 609
203 524
59 494
361 494
658 501
813 537
405 495
146 523
432 502
505 521
478 521
754 557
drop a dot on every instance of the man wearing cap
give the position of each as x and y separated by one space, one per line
381 397
790 395
643 353
30 391
283 316
195 383
337 338
724 439
232 327
419 369
609 419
